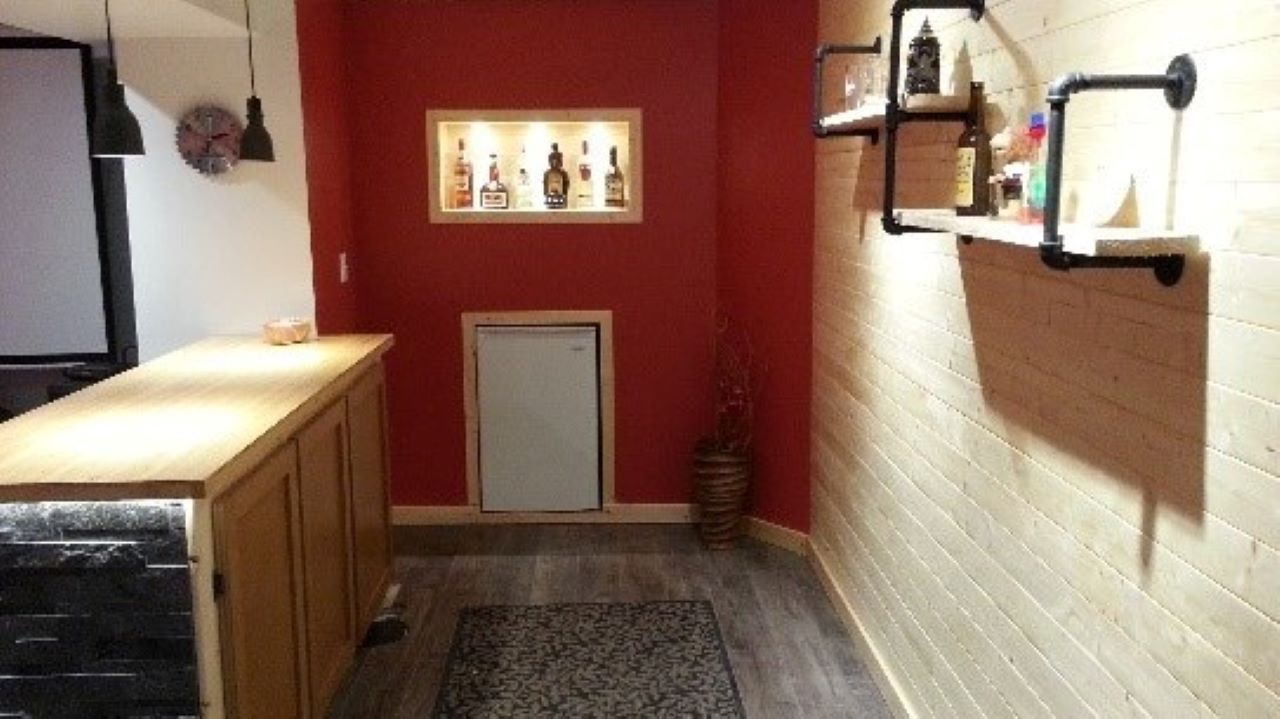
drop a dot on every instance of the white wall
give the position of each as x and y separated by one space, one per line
1047 494
216 256
83 20
10 31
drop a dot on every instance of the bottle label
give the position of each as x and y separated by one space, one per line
462 195
555 186
496 200
462 187
966 161
613 192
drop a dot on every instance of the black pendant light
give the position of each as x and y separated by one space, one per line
115 130
255 143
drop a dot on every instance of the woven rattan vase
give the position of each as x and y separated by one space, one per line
721 480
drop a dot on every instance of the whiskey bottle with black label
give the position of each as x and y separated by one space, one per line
555 181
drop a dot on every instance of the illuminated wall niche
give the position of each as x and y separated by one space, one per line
506 133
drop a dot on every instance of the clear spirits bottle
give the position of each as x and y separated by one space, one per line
555 181
586 197
463 198
614 184
494 195
524 186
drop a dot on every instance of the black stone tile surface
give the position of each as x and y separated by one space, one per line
95 611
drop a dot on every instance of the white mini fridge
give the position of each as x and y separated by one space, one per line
539 416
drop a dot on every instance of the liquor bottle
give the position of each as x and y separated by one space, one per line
614 185
494 196
586 197
555 181
462 179
524 187
1036 183
973 160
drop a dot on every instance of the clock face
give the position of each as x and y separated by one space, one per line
209 139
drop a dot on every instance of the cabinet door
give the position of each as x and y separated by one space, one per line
370 512
324 483
259 557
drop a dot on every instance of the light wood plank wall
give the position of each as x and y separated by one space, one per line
1049 494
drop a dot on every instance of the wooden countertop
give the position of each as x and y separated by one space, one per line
185 425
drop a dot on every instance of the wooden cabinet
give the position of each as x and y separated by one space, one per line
325 489
259 556
275 458
370 508
303 550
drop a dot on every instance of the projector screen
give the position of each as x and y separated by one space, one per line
53 293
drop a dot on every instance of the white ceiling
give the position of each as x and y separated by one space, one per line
83 20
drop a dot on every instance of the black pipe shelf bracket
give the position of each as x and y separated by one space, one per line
1162 251
822 126
896 115
1179 85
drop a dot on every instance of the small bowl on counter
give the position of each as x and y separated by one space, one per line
287 331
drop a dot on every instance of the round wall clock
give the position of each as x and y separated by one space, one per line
209 139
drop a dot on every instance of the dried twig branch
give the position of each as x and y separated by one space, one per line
736 377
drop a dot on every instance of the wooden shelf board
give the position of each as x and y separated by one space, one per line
936 103
867 117
602 216
871 116
1079 239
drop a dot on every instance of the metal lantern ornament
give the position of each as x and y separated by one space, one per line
924 63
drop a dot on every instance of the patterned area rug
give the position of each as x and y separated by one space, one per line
654 659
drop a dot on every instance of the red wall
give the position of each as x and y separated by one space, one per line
729 215
659 278
322 64
765 230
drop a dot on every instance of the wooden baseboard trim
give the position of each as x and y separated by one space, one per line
420 516
777 535
411 516
874 660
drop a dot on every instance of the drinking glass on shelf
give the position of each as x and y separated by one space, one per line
867 78
877 78
854 88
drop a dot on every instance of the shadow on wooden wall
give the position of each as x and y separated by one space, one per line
1106 367
1096 376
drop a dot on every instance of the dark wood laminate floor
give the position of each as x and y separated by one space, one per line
787 647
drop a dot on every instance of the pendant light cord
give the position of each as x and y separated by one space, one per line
111 42
248 25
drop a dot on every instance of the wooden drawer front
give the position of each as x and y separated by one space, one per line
324 482
366 416
259 556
